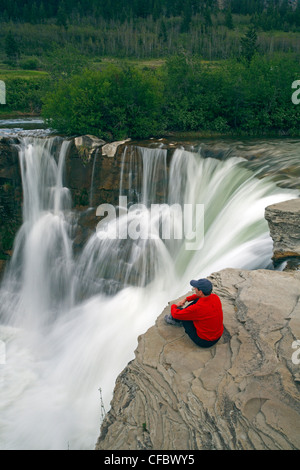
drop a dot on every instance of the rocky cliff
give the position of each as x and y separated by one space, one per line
242 393
10 198
284 224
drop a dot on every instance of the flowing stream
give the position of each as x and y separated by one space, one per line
69 325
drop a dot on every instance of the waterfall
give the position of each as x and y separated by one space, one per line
92 179
144 172
70 325
41 266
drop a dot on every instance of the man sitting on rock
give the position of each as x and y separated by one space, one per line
202 319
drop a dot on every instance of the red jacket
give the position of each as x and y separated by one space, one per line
206 314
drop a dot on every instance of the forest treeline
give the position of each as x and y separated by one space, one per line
247 97
145 29
68 11
221 70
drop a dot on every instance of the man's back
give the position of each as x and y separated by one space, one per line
206 314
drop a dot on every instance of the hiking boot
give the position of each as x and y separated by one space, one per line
171 321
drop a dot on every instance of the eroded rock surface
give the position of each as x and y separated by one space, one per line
242 393
284 223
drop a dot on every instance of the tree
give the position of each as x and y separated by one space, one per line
113 104
207 18
63 62
163 34
249 44
187 17
12 50
61 19
229 20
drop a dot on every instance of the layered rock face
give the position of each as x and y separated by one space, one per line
91 175
243 393
284 224
10 198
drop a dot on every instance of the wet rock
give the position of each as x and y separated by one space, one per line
10 197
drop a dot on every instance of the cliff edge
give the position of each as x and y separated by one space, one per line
284 224
241 394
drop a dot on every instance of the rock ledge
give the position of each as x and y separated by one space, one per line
242 393
284 223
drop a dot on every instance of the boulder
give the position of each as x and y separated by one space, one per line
87 144
284 224
110 149
241 394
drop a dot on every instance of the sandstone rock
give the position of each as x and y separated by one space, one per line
2 268
110 149
92 178
284 223
9 162
242 393
88 143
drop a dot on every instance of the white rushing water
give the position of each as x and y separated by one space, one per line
64 337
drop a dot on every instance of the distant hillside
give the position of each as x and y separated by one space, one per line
142 29
68 11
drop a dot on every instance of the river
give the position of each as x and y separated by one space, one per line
70 323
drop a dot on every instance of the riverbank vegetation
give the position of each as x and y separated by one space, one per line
24 91
119 69
183 95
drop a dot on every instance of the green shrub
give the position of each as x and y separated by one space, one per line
32 63
113 104
254 98
185 95
25 94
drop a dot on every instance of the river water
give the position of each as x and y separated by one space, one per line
69 324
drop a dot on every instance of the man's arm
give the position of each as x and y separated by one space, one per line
188 313
187 299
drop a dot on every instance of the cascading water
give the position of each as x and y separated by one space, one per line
39 277
71 325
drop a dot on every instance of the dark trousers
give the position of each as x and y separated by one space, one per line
191 331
